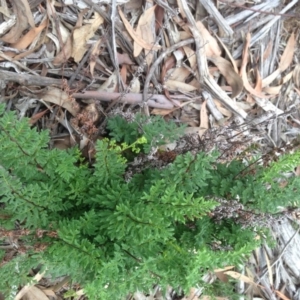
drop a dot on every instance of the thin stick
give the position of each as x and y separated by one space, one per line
113 40
157 100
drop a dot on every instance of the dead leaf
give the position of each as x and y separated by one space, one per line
177 85
287 77
28 13
134 36
64 54
221 276
9 54
22 293
19 7
82 34
282 296
196 105
243 73
181 10
183 35
58 29
110 84
211 46
161 111
34 293
250 100
297 90
297 171
91 112
37 116
139 296
204 122
268 50
258 86
233 61
227 70
61 98
273 90
190 54
222 110
135 86
145 29
123 74
95 53
123 58
169 63
164 112
266 81
205 297
159 17
49 292
29 37
192 295
6 13
283 184
196 83
191 130
288 53
296 76
240 276
64 143
285 60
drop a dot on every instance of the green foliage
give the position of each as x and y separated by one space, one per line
114 236
154 130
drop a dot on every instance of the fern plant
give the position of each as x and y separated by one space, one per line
112 235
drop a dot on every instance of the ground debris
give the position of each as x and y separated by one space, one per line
228 69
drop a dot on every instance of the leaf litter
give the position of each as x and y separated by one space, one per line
229 69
